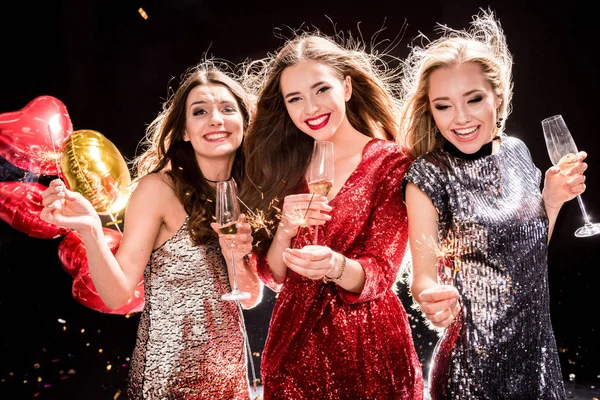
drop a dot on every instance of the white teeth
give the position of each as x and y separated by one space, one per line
216 136
317 121
466 131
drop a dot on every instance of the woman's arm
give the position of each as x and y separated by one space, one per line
438 302
115 276
371 270
560 187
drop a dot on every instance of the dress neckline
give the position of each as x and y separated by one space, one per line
349 179
484 151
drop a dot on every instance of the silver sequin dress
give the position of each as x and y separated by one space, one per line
492 233
189 343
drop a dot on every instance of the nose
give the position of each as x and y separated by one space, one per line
462 115
310 107
216 119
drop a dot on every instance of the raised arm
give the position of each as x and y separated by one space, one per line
115 276
560 187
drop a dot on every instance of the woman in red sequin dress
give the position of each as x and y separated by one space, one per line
338 329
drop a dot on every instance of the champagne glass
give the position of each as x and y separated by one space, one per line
562 151
320 173
228 211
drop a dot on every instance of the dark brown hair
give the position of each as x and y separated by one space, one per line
167 152
277 152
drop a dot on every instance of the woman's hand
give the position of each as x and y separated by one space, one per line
564 182
440 304
66 208
238 244
313 262
299 210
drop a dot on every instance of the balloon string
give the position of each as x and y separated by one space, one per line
55 155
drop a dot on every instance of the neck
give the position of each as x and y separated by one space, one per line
485 150
218 180
216 170
347 141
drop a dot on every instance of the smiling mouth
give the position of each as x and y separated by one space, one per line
319 122
216 136
466 133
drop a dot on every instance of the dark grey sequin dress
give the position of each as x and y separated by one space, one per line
492 236
189 343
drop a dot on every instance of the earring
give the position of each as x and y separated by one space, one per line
499 122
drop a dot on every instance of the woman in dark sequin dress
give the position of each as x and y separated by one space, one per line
338 329
478 223
190 343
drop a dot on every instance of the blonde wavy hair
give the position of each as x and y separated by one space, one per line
483 43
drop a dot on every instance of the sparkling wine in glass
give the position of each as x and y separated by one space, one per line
562 151
228 211
320 174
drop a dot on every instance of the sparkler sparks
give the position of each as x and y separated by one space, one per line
297 215
448 255
258 219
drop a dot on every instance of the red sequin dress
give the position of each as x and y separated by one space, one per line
327 343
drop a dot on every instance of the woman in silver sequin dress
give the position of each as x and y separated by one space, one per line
190 343
478 223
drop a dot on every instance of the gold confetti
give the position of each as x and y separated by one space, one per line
143 13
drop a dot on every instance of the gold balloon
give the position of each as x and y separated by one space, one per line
94 167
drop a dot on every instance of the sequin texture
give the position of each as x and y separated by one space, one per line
493 229
189 342
327 343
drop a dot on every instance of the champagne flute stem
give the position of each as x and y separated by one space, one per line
316 237
235 287
585 216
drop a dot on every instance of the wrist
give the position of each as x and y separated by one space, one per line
549 203
337 271
282 237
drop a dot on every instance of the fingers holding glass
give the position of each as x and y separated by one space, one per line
304 210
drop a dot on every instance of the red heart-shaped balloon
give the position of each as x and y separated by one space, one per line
73 258
20 207
32 138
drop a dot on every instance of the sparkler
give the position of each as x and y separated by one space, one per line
259 217
447 253
293 216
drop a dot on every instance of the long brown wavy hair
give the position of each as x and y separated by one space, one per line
166 151
484 44
277 152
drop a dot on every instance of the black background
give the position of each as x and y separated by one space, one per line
112 69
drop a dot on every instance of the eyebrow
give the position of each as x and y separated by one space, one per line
205 102
470 92
297 93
